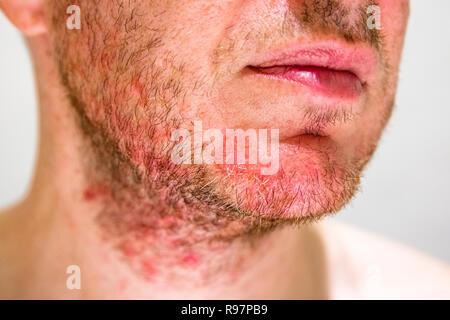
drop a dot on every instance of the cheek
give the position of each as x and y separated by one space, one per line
363 134
394 18
358 138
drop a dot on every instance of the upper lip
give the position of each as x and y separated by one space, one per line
359 60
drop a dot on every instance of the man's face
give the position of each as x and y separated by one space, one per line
313 69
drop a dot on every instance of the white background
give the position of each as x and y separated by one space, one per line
405 191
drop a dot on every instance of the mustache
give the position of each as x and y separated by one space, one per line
346 20
310 19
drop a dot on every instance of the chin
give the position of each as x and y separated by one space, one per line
309 184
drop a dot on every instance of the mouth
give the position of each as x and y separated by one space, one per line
329 69
341 83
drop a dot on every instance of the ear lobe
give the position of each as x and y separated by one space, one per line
26 15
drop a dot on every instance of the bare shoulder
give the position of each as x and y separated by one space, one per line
365 265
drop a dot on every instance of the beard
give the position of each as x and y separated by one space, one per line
129 94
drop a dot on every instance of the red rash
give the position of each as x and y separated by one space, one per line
190 259
148 269
96 191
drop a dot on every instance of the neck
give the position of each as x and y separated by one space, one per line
61 219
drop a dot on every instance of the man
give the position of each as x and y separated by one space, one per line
189 148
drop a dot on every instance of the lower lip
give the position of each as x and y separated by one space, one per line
343 84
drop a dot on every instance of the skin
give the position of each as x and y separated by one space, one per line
107 197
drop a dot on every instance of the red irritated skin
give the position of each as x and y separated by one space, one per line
137 71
